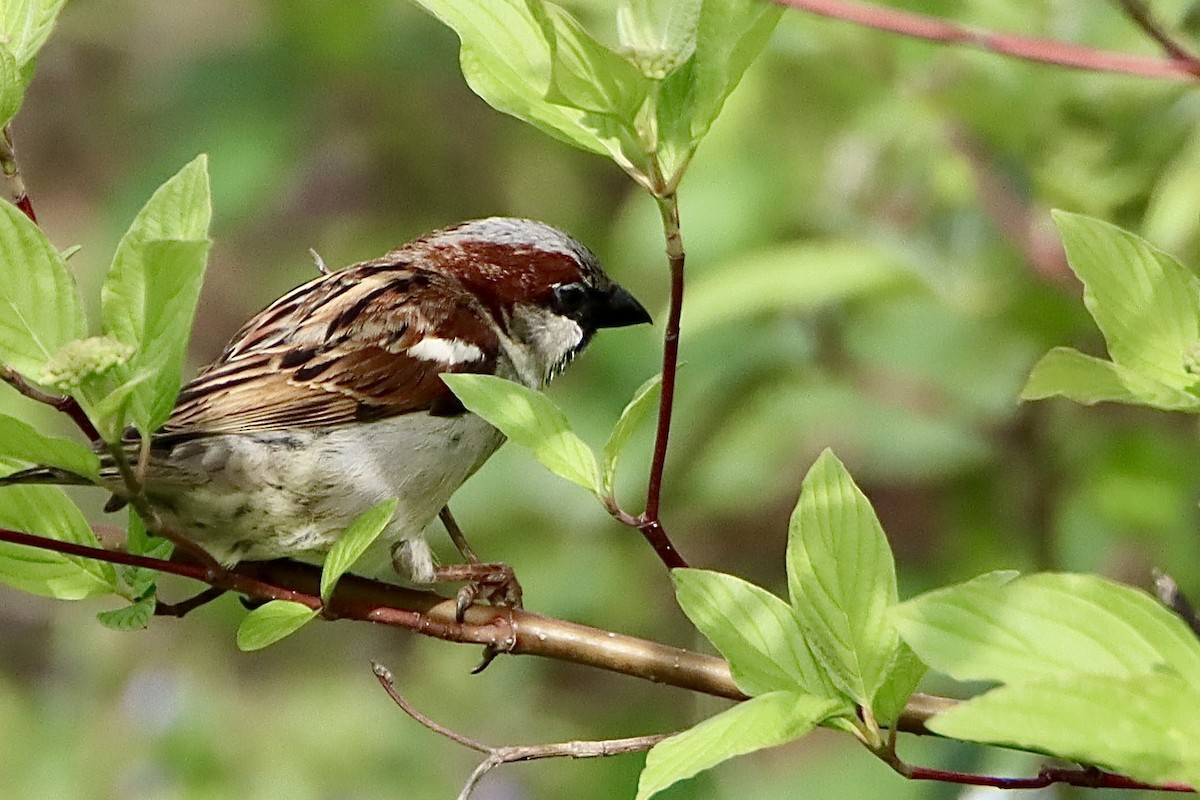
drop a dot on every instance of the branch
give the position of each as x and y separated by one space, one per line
1044 51
1139 12
497 756
1087 777
16 184
520 632
61 403
508 630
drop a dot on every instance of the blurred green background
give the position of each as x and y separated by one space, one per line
872 268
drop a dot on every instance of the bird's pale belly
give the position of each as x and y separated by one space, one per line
292 493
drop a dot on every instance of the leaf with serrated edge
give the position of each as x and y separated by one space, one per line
1145 302
47 511
842 579
531 420
40 309
353 543
1046 625
618 440
1143 726
21 441
267 624
756 632
765 721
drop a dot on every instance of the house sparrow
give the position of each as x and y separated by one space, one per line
329 401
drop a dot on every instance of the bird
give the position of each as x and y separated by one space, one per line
329 401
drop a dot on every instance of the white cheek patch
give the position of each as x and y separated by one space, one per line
446 351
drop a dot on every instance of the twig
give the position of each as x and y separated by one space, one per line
497 756
16 184
1087 777
1170 596
649 522
1139 12
60 403
1044 51
136 497
518 631
185 607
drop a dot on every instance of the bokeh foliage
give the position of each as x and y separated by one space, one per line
872 269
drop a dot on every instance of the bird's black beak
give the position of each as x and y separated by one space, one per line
618 309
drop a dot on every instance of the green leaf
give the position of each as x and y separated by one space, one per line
729 36
175 271
1145 302
26 24
1046 625
39 302
22 442
768 720
792 278
149 295
585 74
353 543
12 88
906 672
756 632
143 582
271 622
507 60
643 400
842 579
1064 372
47 511
1143 726
133 617
658 35
531 420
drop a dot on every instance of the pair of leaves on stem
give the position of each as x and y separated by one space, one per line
655 95
811 661
1146 304
1092 671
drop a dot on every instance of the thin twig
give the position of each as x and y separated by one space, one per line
16 183
66 405
185 607
496 756
650 521
1173 598
154 524
1087 777
1044 51
1140 13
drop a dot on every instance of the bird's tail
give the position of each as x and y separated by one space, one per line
43 475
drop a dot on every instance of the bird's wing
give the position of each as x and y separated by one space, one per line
363 343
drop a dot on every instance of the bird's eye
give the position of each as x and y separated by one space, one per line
570 297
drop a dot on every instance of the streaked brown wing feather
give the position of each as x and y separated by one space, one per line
336 350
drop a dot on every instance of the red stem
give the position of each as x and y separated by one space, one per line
650 521
1089 777
1045 51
